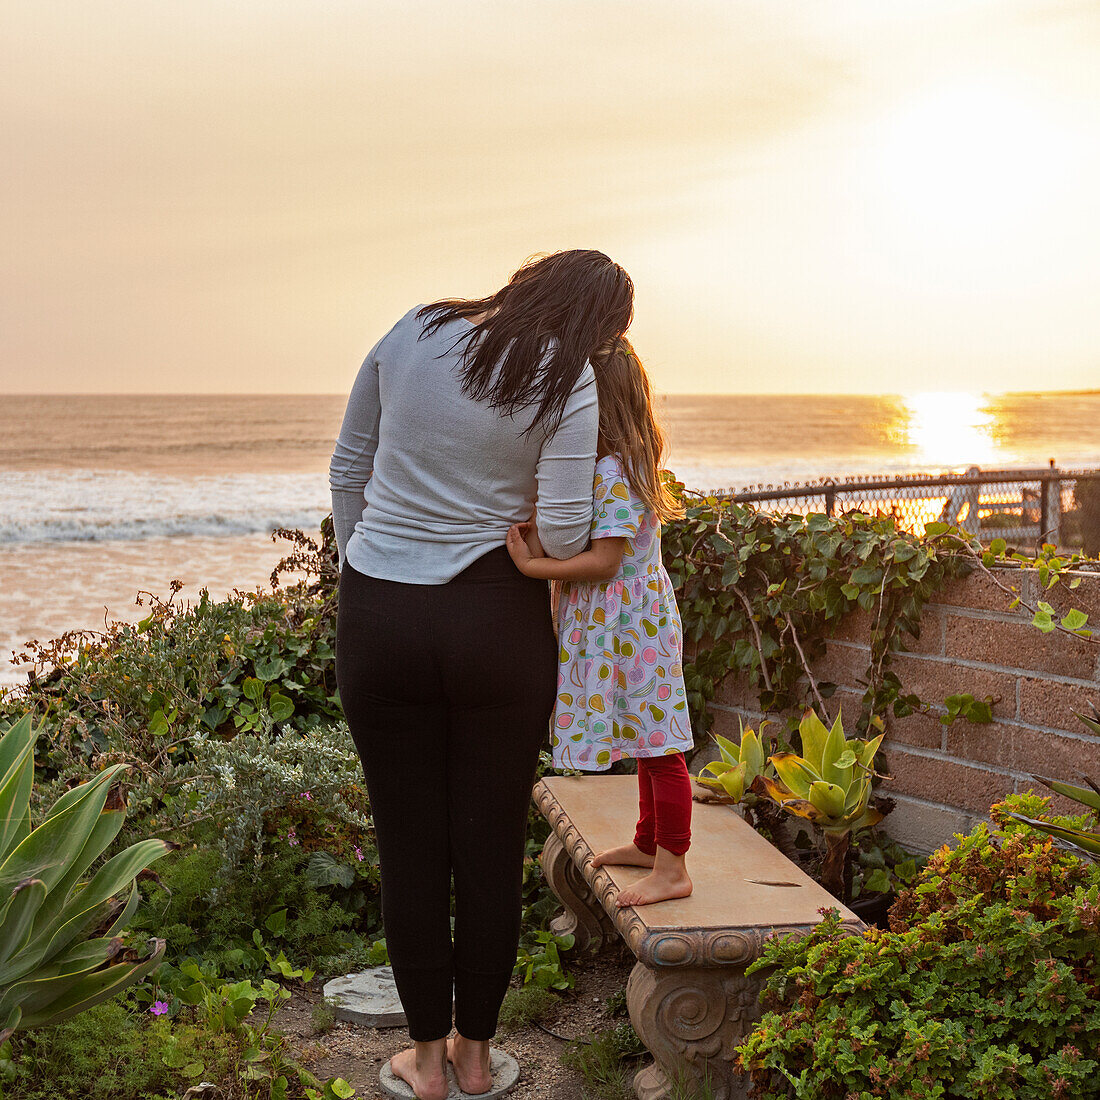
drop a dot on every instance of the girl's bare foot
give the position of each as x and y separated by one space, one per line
423 1069
668 879
470 1059
629 855
655 887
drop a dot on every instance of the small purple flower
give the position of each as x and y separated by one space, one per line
306 795
359 854
159 1008
292 838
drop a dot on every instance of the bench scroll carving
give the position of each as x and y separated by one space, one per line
691 1018
584 917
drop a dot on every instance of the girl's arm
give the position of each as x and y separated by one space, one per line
598 563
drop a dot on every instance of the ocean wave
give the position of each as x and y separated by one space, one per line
46 506
90 505
58 505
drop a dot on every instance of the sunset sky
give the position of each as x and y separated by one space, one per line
845 195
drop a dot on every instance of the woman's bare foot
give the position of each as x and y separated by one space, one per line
668 879
423 1069
629 855
470 1059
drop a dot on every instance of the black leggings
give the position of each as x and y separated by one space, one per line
448 691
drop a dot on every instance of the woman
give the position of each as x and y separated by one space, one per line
461 415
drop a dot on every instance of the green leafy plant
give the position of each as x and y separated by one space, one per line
760 593
255 1052
882 866
539 960
260 702
322 1017
830 786
61 943
335 1089
987 983
137 1062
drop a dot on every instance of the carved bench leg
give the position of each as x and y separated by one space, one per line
691 1019
584 916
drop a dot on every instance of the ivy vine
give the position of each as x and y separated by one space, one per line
760 593
1051 566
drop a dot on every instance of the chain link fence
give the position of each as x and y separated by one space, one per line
1024 507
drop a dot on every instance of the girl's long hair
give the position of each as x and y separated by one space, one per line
541 329
629 428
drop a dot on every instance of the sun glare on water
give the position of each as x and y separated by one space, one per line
950 429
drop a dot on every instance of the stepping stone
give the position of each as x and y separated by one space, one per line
505 1074
369 998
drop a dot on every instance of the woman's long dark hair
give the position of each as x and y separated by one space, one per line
555 313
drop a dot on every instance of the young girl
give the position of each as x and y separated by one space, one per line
620 676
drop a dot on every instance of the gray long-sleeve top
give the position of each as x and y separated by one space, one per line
426 480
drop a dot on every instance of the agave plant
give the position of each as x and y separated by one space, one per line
1084 842
60 947
739 765
830 786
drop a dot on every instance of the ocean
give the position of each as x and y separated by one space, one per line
104 496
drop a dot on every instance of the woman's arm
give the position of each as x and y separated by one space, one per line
598 563
565 470
352 460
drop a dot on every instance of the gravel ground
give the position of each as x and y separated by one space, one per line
358 1053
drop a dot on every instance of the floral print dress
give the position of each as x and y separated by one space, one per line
620 673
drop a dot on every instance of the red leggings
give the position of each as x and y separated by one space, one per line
664 804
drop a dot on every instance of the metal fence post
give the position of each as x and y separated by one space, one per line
1050 512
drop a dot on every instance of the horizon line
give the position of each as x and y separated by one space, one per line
245 394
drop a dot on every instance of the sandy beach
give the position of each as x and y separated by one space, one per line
48 588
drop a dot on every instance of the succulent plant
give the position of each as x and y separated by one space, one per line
739 766
60 945
830 786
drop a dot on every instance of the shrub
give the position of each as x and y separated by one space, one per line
987 984
298 790
72 1060
148 1048
142 694
317 929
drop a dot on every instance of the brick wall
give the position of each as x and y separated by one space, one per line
946 777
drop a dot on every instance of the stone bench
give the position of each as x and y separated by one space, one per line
689 999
